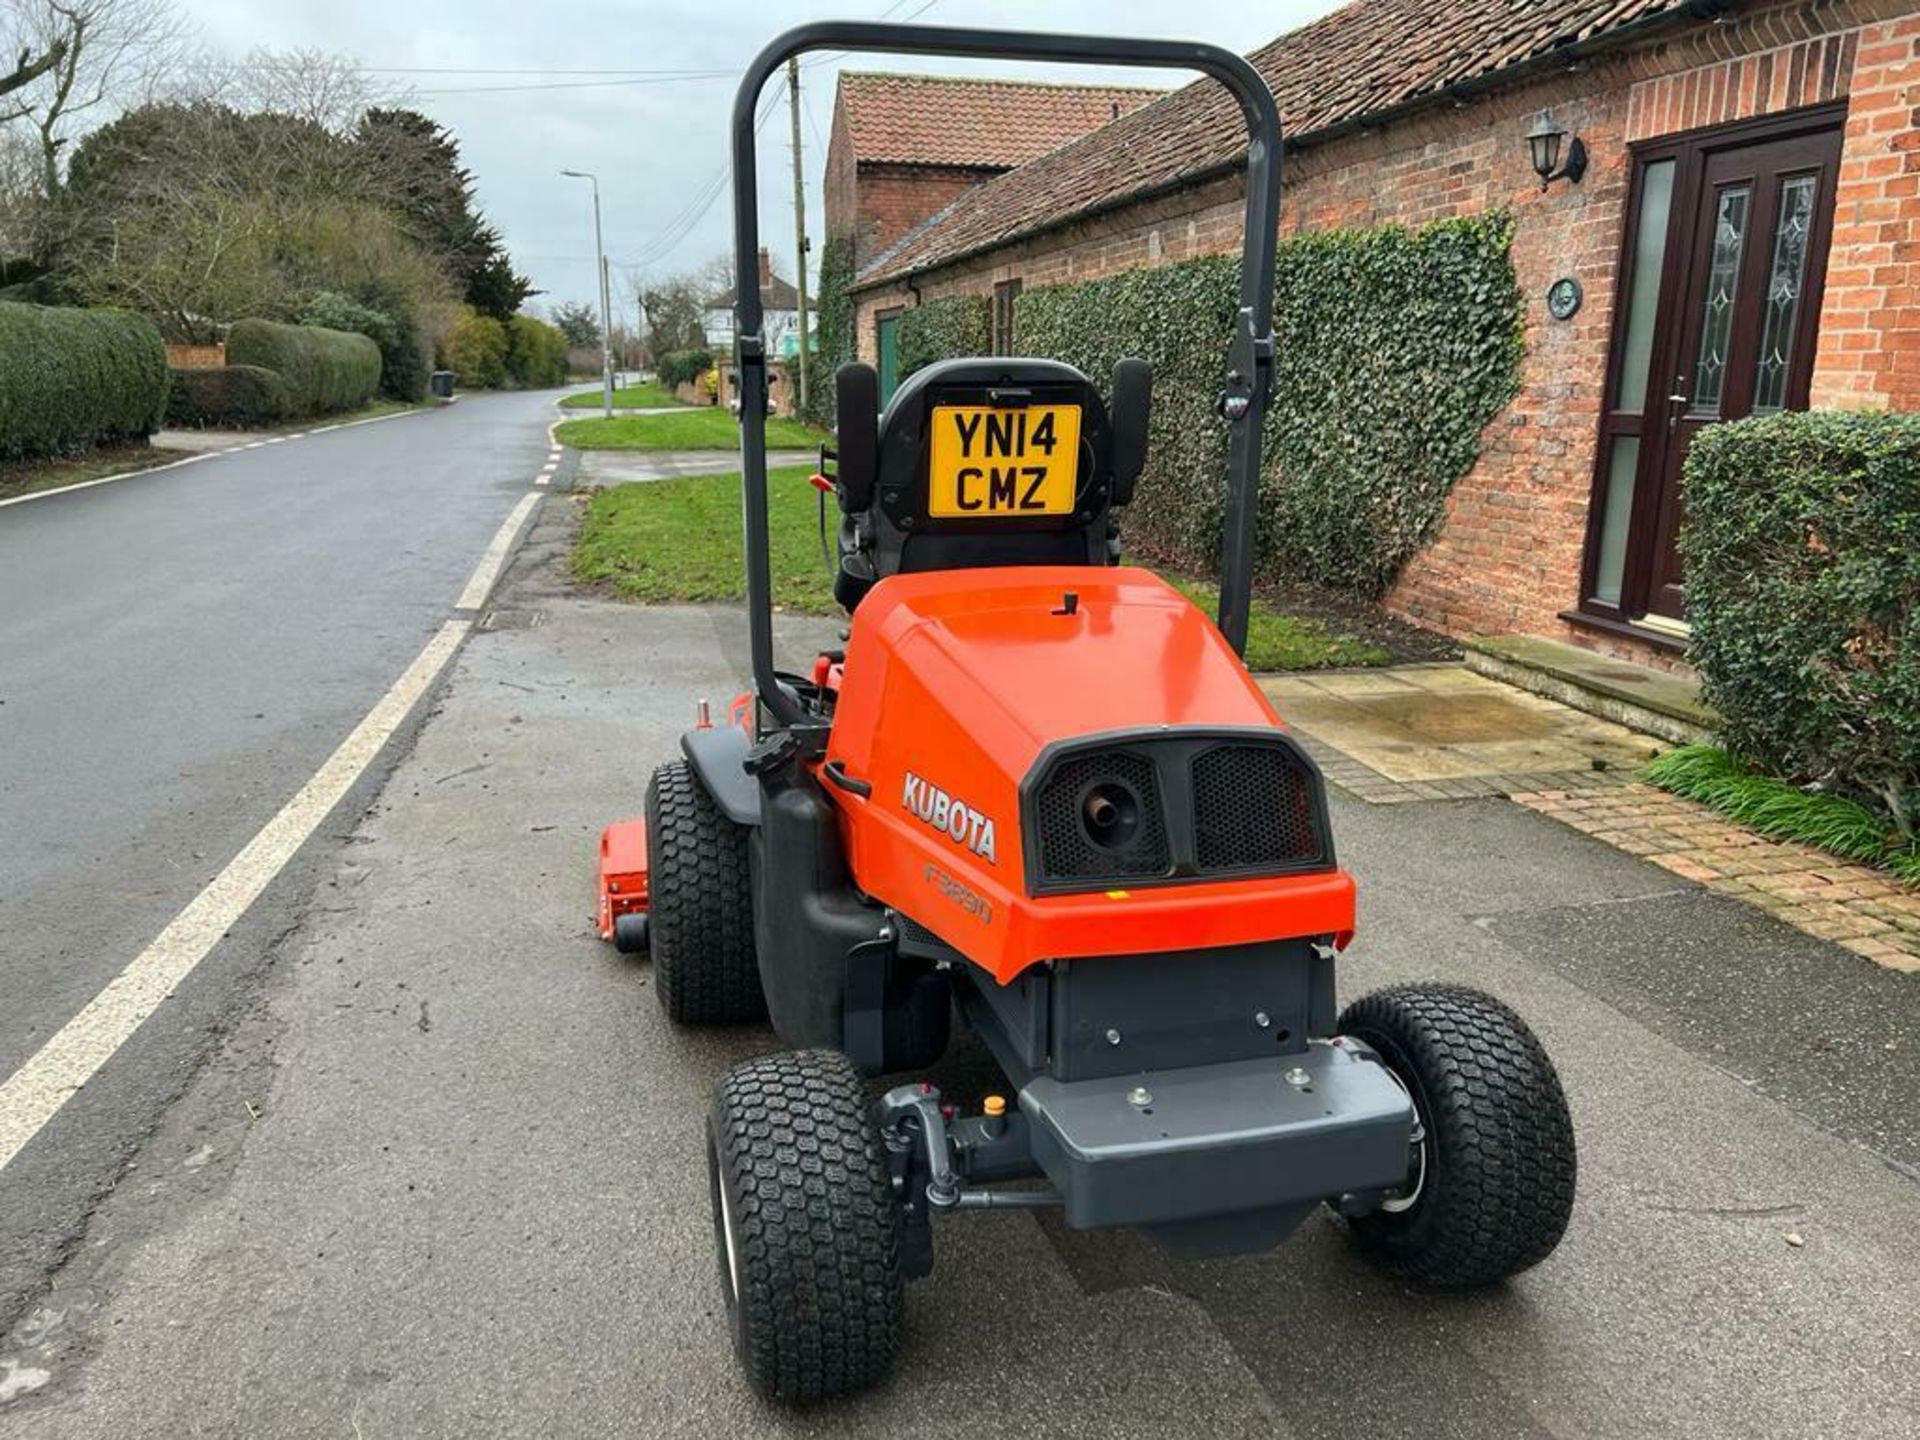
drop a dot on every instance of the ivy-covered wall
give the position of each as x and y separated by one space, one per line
833 328
943 329
1396 348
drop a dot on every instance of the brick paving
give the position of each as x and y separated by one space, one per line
1865 910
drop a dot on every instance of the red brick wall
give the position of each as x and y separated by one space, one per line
837 193
1508 556
889 200
1870 317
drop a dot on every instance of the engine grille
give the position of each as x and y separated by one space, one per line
1241 805
1068 852
1254 806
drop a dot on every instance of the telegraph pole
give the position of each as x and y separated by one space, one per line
799 224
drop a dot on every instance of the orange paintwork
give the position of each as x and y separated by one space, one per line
623 873
961 678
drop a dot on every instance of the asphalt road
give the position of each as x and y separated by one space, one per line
444 1177
179 653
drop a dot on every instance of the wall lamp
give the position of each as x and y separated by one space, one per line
1544 142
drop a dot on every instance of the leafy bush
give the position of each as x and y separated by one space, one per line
536 353
683 367
74 378
1802 556
1396 348
476 351
325 370
403 362
237 397
944 329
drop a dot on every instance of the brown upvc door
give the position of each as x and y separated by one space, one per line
1725 259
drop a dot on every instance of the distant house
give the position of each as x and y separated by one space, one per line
1746 237
779 305
904 147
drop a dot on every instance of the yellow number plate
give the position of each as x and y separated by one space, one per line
989 463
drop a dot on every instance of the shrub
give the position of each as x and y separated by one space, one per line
536 353
683 367
1802 558
1396 348
74 378
476 351
236 397
403 360
943 329
325 370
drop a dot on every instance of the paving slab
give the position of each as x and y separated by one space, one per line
1422 724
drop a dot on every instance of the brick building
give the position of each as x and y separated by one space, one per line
1746 236
904 147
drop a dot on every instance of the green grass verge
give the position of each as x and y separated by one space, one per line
30 477
666 540
627 397
1773 807
710 429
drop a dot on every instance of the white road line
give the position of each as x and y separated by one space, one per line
109 479
542 481
488 571
57 490
34 1093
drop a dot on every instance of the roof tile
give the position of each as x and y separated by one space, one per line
978 124
1362 59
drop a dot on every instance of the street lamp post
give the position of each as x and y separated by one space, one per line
606 319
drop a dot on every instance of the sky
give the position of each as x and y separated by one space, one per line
529 94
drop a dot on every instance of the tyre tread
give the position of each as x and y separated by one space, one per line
819 1312
1504 1164
701 905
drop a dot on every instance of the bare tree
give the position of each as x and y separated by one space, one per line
112 55
29 68
317 86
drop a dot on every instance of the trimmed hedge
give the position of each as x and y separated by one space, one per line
73 378
944 329
1396 348
1802 557
325 370
231 397
405 356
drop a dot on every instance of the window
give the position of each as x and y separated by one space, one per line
1004 294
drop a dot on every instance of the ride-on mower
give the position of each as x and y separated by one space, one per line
1039 791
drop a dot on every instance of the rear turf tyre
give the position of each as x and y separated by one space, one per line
806 1226
700 921
1490 1187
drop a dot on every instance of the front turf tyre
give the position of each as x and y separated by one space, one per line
700 921
806 1226
1490 1185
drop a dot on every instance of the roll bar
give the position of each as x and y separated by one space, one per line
1249 377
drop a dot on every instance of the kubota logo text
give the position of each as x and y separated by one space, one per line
962 824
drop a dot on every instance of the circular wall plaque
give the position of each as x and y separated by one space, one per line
1563 298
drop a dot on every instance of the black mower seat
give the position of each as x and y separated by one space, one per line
984 462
